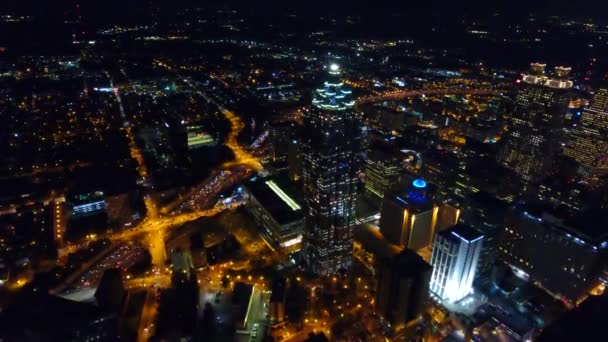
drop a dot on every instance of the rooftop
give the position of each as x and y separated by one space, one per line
333 95
409 262
278 290
414 199
279 197
588 225
372 240
462 231
545 81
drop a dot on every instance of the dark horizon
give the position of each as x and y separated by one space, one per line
105 10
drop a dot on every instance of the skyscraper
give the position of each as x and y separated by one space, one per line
588 143
408 218
381 174
403 288
455 257
485 213
330 141
534 135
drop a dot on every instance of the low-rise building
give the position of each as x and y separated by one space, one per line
276 206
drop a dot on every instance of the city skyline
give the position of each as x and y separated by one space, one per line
306 171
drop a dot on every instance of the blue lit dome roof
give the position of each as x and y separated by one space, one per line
333 95
419 183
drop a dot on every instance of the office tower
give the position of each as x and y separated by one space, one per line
277 301
588 143
276 206
534 135
478 171
559 251
538 68
408 218
282 136
330 141
485 213
381 174
455 256
370 247
294 160
403 288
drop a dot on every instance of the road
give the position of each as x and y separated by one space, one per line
148 316
84 268
155 229
241 155
198 203
400 95
257 314
134 150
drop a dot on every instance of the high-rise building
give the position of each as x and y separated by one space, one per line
588 143
282 141
277 301
381 174
485 213
294 160
403 288
408 218
330 142
535 129
455 256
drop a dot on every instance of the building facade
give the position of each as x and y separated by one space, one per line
381 174
588 143
535 128
87 204
408 218
455 257
557 251
485 213
403 288
277 208
330 142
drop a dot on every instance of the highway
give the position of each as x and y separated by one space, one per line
193 206
400 95
198 202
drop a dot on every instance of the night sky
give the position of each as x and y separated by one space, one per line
117 10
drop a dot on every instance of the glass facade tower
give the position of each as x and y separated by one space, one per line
588 143
535 128
330 142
